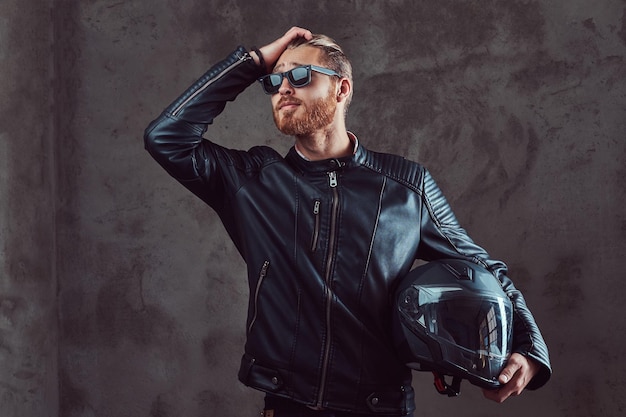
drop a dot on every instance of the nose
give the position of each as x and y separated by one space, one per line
285 87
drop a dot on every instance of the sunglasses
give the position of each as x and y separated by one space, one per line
298 77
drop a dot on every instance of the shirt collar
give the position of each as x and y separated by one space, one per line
351 136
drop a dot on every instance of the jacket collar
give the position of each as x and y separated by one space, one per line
303 165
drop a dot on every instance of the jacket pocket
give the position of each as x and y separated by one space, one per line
262 275
316 224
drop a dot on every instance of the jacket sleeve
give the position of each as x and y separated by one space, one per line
174 139
443 237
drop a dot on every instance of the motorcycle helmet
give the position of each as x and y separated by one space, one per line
451 317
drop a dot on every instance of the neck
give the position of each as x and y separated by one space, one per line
325 144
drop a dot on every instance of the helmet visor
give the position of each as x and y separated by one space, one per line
473 333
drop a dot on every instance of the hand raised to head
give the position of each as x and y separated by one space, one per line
272 51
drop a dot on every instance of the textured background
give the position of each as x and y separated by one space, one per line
120 294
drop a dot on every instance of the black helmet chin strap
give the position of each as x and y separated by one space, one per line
443 388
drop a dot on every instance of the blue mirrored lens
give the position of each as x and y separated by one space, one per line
299 76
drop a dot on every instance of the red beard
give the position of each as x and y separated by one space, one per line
317 115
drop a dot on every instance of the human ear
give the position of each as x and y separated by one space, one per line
344 89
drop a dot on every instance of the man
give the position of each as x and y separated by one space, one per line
325 231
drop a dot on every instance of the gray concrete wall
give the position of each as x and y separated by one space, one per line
28 284
120 293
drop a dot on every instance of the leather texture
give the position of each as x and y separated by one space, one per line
324 243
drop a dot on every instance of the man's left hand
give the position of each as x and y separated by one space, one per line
517 373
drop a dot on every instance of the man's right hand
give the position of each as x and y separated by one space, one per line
274 50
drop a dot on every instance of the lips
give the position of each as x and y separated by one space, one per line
287 103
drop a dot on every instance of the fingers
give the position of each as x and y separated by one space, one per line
274 50
511 389
513 365
515 376
494 395
297 32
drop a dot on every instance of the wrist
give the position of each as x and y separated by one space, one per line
256 54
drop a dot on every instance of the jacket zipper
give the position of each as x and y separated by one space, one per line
332 177
262 275
203 87
316 226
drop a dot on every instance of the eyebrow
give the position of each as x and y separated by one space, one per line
282 64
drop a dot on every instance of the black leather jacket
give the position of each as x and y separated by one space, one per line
324 242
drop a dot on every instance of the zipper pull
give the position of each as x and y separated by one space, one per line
316 207
264 268
245 56
332 176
